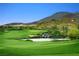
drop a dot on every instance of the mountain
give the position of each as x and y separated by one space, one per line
59 18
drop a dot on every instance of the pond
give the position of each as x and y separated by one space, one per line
46 39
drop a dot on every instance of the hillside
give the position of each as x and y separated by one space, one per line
58 19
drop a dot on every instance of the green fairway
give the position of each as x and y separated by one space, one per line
25 48
21 33
10 46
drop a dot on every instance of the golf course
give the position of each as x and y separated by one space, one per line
11 46
39 29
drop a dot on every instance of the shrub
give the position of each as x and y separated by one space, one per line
73 34
1 30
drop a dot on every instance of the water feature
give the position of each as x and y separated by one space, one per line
46 39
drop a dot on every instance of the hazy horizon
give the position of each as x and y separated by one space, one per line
30 12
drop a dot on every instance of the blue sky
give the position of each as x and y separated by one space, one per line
29 12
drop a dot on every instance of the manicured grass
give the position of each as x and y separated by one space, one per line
12 47
21 33
26 48
15 34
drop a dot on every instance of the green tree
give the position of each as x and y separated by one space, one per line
1 30
1 36
54 31
73 34
64 31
